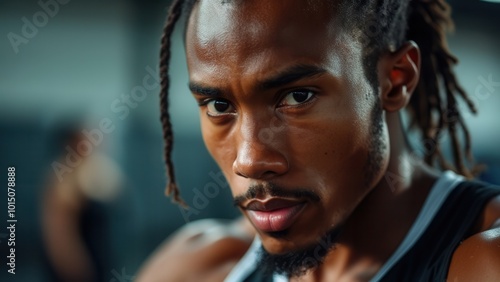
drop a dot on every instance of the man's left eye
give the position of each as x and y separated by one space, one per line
297 97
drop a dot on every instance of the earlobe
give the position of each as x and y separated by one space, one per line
400 71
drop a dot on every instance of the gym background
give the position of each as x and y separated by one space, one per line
90 67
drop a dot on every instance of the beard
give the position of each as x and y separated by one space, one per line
377 146
296 263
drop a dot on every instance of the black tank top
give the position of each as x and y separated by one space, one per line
429 257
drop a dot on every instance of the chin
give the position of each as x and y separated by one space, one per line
282 242
289 257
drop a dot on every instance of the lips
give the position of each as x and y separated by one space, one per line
275 214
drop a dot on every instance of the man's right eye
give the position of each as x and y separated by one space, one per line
219 107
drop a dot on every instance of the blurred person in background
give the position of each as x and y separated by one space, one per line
81 183
335 192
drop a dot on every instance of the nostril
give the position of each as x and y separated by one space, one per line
241 174
263 169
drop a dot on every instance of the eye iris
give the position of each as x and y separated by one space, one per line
221 106
300 96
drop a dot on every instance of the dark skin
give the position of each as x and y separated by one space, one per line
243 71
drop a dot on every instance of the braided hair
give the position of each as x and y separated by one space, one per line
174 14
433 106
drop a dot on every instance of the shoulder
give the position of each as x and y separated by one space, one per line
478 257
202 250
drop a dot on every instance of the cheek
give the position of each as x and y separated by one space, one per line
221 147
216 142
329 146
332 150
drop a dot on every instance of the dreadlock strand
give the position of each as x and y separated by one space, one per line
467 138
443 163
452 116
453 87
454 83
174 14
430 20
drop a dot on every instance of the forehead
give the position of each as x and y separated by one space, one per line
245 33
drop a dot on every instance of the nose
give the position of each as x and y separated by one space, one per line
260 156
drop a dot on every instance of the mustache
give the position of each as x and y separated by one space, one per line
272 190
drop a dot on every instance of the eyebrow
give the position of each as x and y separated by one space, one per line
204 90
289 75
284 77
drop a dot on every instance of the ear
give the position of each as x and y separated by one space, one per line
399 74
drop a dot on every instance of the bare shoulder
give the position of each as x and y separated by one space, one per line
478 257
491 214
204 250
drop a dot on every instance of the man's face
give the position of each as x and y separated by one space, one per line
287 113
